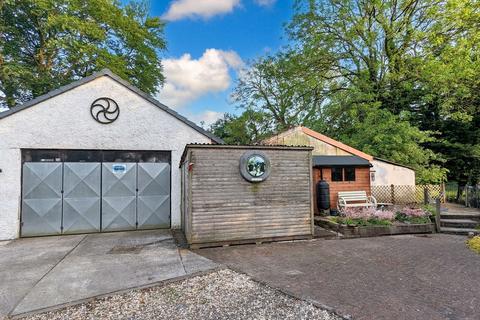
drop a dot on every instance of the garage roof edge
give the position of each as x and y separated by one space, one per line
108 73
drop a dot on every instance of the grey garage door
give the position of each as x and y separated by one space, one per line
82 197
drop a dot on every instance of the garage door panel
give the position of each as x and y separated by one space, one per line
81 180
153 179
153 212
81 215
42 180
42 199
118 213
153 207
119 179
81 207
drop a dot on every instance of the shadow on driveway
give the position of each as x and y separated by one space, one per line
397 277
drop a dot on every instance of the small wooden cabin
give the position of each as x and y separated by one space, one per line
242 194
342 173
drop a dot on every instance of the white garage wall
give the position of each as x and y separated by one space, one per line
64 122
388 174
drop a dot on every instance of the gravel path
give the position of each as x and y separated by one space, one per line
223 294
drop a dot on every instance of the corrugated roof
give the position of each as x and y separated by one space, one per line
108 73
331 161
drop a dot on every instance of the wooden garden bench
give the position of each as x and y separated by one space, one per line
350 199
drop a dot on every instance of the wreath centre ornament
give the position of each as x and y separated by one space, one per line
104 110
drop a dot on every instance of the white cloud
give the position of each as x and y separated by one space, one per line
207 117
199 8
188 79
265 3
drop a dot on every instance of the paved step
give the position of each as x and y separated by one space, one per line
459 230
472 216
459 223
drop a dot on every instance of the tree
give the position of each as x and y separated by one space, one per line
284 88
374 45
249 128
451 82
49 43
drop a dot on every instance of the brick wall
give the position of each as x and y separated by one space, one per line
361 183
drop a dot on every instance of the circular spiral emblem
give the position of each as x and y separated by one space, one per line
104 110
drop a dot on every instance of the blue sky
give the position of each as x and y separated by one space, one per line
209 41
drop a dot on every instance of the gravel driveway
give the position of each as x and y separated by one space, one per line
223 294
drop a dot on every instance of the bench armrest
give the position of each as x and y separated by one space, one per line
373 200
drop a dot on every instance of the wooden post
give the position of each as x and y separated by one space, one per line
444 193
466 195
392 194
426 199
437 215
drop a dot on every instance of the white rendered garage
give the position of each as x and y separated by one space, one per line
95 155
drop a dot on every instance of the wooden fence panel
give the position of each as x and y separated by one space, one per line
408 194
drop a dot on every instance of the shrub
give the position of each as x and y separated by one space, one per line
414 212
358 213
428 208
384 215
413 215
474 244
365 217
372 216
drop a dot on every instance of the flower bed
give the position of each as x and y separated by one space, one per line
367 222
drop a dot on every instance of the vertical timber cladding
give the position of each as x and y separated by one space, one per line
226 207
82 191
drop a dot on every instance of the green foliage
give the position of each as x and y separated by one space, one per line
474 244
430 209
49 43
283 88
360 222
412 220
397 79
248 128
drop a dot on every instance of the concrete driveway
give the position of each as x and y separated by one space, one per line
40 273
399 277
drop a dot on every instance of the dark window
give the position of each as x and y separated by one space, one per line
343 174
42 156
337 174
349 174
83 156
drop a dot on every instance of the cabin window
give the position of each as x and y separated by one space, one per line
343 174
349 174
337 174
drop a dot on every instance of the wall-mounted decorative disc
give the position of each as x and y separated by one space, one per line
254 166
105 110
